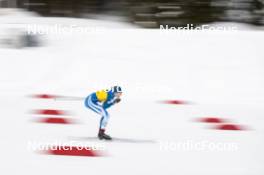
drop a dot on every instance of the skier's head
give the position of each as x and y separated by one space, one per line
117 90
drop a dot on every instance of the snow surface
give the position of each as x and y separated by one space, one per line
220 73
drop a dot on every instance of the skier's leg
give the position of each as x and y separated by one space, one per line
103 124
104 119
99 110
94 107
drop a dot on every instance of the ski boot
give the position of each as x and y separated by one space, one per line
103 136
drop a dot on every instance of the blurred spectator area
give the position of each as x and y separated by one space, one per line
151 13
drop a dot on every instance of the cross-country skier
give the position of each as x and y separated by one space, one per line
101 100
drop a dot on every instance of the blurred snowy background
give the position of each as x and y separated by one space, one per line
192 103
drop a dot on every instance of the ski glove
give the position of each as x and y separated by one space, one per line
117 100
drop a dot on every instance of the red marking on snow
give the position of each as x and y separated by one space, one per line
211 120
51 120
230 127
50 112
73 151
175 102
44 96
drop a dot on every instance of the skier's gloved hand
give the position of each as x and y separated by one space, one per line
117 100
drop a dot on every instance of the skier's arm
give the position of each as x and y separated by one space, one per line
110 103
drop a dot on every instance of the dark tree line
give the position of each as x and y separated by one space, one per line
171 12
